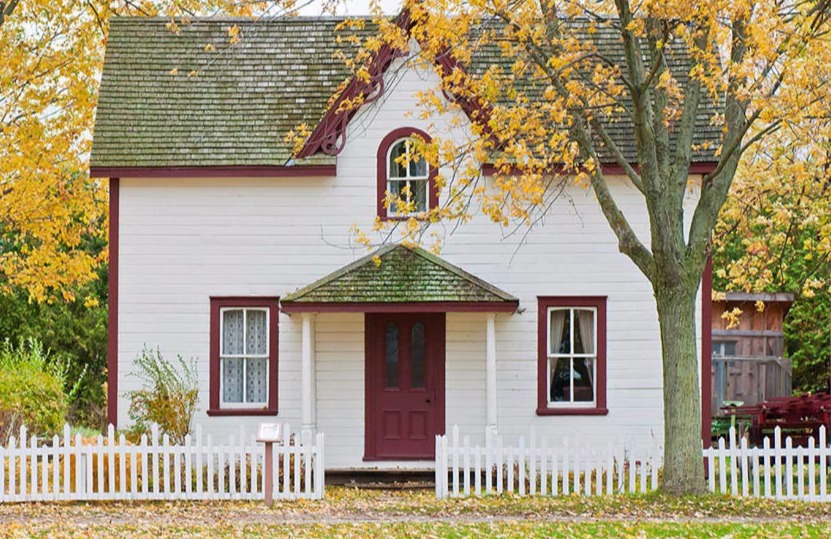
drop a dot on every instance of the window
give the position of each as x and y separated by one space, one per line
724 348
572 355
407 179
243 356
405 176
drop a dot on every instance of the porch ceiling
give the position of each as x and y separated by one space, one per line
399 278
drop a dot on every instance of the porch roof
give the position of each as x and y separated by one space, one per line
397 277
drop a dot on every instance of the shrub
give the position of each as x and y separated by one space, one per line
169 395
33 390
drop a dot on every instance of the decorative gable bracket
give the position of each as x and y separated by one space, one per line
329 136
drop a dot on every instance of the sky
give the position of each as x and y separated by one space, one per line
351 7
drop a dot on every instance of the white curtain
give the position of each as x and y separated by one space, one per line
232 379
232 333
256 333
555 328
256 381
585 321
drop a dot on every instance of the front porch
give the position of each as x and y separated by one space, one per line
393 348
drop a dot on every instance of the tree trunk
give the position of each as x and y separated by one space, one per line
683 461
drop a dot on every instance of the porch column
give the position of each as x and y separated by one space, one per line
307 376
490 380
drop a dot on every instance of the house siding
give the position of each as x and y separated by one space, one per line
183 240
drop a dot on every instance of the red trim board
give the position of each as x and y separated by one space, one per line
112 307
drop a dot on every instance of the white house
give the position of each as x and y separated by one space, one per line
227 247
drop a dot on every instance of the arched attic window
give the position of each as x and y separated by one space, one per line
406 175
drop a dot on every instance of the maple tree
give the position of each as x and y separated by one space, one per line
774 235
761 65
52 55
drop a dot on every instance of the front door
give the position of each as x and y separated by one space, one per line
404 385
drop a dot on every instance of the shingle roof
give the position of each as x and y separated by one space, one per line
233 106
234 110
404 275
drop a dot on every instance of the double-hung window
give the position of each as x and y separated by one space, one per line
572 362
408 179
243 355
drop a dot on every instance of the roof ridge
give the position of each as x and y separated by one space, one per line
228 18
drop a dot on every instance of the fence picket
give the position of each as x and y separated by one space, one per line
610 469
812 456
722 467
499 460
744 466
455 461
756 471
823 459
767 464
543 467
521 466
488 467
789 467
466 459
510 466
777 443
23 468
532 464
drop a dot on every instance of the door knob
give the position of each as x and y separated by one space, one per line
428 401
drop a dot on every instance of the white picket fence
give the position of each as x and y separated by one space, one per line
775 470
110 468
537 468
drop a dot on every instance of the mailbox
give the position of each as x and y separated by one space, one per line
270 433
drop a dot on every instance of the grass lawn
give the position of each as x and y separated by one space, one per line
350 513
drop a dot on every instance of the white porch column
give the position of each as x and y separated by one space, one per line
490 380
307 376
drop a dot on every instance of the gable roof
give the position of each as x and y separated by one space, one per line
405 275
167 100
232 106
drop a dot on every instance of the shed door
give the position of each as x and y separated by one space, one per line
404 385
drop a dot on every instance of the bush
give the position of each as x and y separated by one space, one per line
33 390
168 398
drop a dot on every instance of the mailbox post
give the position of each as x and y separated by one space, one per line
269 434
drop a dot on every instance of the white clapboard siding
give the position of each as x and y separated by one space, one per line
537 468
775 470
110 468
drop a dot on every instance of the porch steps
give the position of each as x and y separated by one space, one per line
383 479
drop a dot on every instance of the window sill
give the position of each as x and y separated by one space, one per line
214 412
572 411
422 217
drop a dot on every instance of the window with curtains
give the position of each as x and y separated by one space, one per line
572 363
244 354
572 355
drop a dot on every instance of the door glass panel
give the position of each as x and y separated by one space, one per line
392 356
418 355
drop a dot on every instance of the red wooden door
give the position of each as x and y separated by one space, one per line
404 385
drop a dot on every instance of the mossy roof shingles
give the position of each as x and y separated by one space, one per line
404 275
232 105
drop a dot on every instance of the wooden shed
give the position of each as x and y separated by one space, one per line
749 363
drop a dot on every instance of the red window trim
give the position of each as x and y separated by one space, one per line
218 303
543 303
381 169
